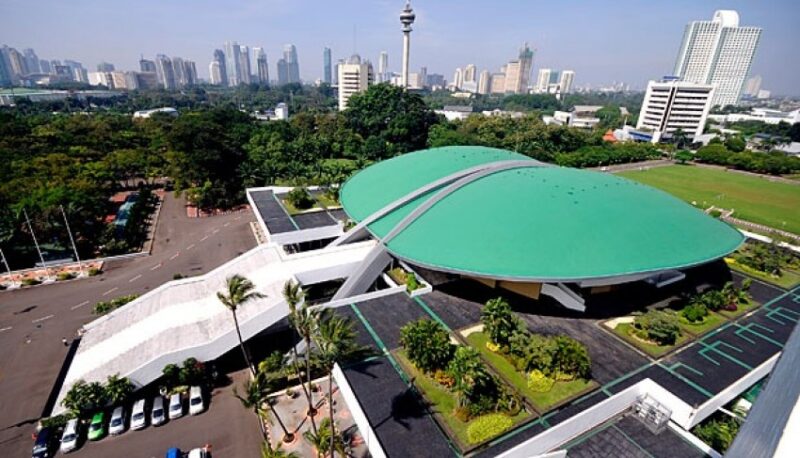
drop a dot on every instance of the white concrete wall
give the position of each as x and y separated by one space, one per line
373 445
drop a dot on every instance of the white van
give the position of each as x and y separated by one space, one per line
196 405
158 416
138 417
69 440
175 406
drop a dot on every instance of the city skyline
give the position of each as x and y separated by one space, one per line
554 36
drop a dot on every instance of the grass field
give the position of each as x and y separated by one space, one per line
753 199
623 330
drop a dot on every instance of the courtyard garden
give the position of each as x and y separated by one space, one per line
768 262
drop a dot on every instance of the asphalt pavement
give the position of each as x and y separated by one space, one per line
33 321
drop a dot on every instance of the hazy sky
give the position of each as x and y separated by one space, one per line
603 41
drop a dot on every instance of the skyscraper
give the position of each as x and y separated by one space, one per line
470 73
292 64
518 72
214 73
283 72
672 105
105 67
354 76
179 70
78 72
44 66
458 78
244 64
484 82
165 72
542 81
147 66
565 82
262 67
327 76
753 86
219 58
234 70
31 61
5 72
718 52
190 72
407 17
383 67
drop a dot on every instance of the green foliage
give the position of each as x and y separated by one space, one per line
551 355
570 359
540 383
58 421
659 326
683 156
473 383
769 258
83 397
487 426
695 312
427 344
103 307
718 432
118 389
499 321
192 372
63 276
31 281
735 144
300 198
411 282
272 363
773 163
171 374
93 271
608 154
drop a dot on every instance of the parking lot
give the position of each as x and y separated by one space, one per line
230 429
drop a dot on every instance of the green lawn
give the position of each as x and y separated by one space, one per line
711 321
741 309
753 199
560 393
326 201
652 349
442 401
788 279
296 211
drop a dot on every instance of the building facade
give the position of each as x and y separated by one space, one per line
355 76
718 52
262 66
292 64
233 63
672 105
327 66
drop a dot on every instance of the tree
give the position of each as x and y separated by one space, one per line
170 373
735 144
239 292
659 326
472 380
256 394
427 344
83 397
118 389
278 452
300 198
679 138
499 321
683 156
325 439
303 321
571 357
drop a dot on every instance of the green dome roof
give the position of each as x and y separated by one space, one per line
538 223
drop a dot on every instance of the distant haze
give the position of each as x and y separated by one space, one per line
614 40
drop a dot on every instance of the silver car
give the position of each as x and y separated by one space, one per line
158 415
117 424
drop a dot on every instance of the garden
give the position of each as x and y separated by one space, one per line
548 370
768 262
404 277
659 331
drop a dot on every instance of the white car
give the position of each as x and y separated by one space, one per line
196 405
199 453
158 416
117 424
175 406
69 440
138 416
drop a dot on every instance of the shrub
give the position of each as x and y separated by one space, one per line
487 426
62 276
93 271
443 378
539 383
177 276
411 282
499 321
30 281
570 359
272 363
300 198
427 344
695 312
714 300
58 421
103 307
718 433
659 326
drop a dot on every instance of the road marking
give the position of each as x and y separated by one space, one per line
110 291
135 278
79 305
6 329
215 231
204 239
156 266
42 318
237 218
175 256
226 224
190 247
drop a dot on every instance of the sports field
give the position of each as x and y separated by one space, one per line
754 199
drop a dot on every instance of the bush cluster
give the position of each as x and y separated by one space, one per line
300 198
540 383
773 163
661 327
191 372
559 357
718 432
487 426
695 312
103 307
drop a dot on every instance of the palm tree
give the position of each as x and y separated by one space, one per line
278 452
256 393
240 291
323 439
335 339
303 321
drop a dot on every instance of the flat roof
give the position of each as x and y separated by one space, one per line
537 223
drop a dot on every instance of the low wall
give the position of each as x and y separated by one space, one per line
373 444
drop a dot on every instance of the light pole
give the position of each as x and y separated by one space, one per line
407 17
8 269
36 243
72 240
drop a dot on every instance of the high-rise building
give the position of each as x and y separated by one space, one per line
147 80
753 86
542 81
383 67
147 66
470 73
16 61
214 74
105 67
262 66
165 72
180 74
498 82
518 72
484 82
244 64
283 72
31 61
671 105
327 66
219 58
292 64
190 71
458 79
407 17
718 52
5 70
435 80
355 76
565 82
44 66
234 70
77 70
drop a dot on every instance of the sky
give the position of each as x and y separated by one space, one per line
603 41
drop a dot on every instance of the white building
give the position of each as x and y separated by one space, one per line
765 115
542 81
215 71
718 52
485 82
458 79
147 113
354 76
455 112
565 83
670 105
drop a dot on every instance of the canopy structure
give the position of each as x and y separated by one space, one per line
486 212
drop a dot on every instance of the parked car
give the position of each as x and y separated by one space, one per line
199 453
117 424
69 440
175 406
196 404
97 428
138 416
44 444
174 452
158 415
